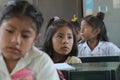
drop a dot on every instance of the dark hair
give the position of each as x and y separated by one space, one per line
76 25
48 46
100 15
51 20
97 22
21 8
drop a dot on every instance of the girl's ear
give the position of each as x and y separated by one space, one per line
97 31
37 38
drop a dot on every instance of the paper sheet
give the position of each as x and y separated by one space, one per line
64 66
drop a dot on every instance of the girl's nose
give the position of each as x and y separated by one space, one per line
16 39
81 30
65 40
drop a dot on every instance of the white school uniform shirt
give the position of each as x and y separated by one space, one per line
102 49
36 61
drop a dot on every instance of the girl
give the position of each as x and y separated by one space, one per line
76 25
93 31
20 23
60 42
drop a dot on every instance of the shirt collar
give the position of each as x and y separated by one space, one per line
86 45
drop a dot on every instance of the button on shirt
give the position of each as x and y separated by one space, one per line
102 49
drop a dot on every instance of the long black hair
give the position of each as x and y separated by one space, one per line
48 45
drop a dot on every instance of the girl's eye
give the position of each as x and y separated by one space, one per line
9 31
59 36
70 37
25 36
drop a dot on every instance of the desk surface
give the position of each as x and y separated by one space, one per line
99 66
101 59
94 71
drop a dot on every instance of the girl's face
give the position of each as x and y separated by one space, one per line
17 35
63 41
78 36
87 32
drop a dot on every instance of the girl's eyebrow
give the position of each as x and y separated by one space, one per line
60 33
11 26
27 31
63 34
69 33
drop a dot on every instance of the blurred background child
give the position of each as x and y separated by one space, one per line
20 25
76 25
94 32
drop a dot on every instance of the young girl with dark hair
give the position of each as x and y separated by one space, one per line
76 25
60 42
94 32
20 25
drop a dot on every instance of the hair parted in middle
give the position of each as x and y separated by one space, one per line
52 29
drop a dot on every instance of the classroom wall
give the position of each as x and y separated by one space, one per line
67 8
50 8
62 8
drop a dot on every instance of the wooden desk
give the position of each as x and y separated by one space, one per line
94 71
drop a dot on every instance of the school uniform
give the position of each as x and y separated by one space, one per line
102 49
73 59
36 61
80 42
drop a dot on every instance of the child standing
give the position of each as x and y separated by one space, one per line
20 23
60 42
94 32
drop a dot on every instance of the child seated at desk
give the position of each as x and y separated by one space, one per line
94 32
20 25
60 42
76 25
